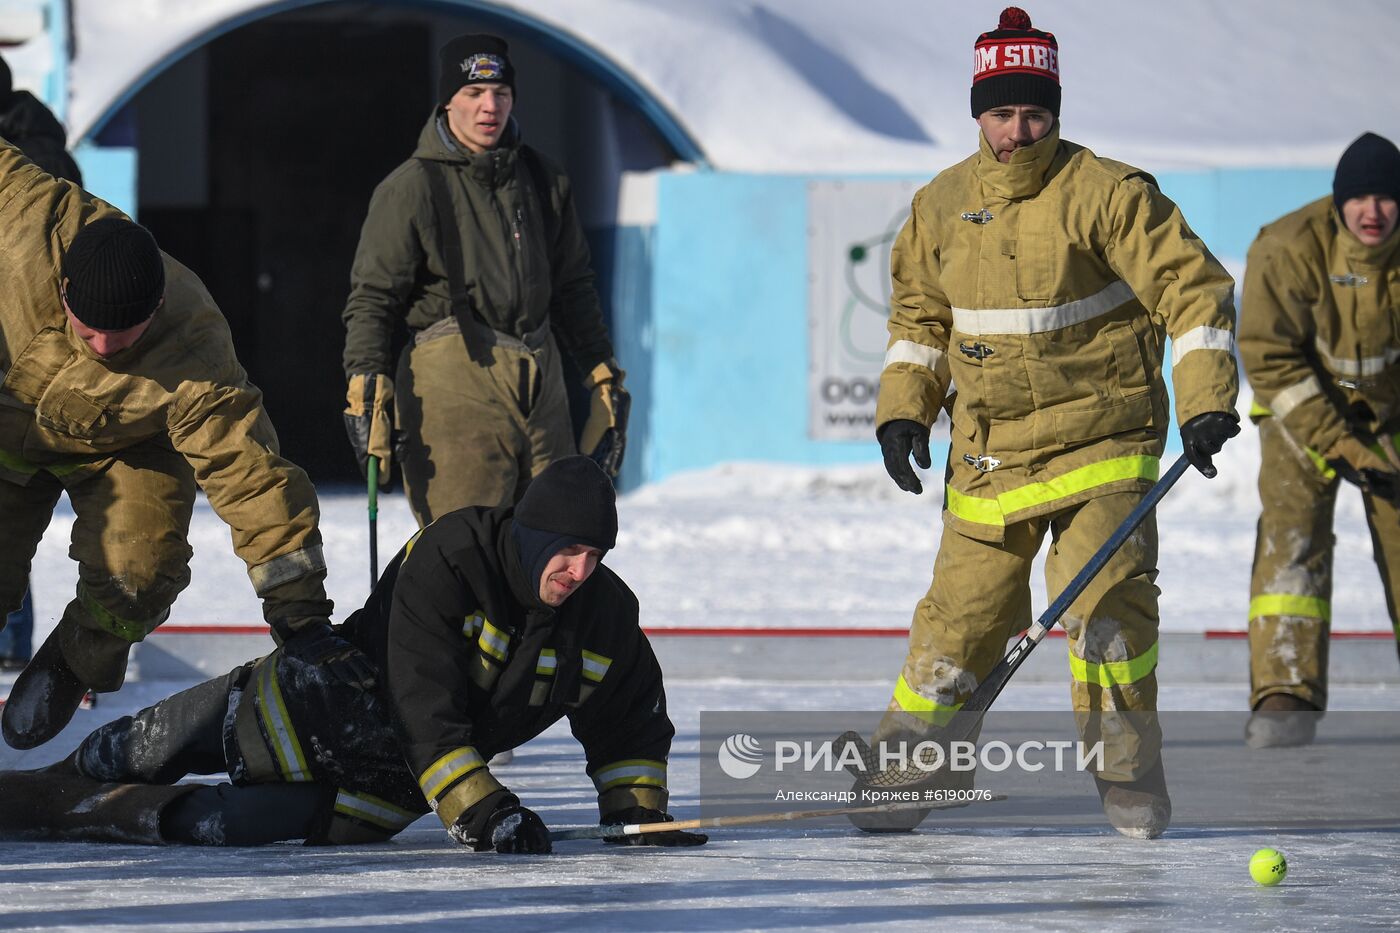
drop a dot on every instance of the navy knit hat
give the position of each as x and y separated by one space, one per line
1371 165
116 277
474 59
571 502
1015 64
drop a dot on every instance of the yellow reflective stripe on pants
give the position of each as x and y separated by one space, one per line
1285 604
994 511
372 809
916 704
1113 673
630 771
18 464
448 768
277 726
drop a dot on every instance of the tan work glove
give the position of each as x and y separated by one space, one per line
604 437
369 421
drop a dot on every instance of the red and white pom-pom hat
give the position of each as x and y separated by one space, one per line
1015 64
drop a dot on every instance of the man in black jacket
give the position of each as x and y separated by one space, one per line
34 130
489 626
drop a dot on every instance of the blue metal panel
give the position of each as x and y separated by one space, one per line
110 173
729 358
730 368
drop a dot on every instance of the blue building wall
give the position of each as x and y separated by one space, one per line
726 350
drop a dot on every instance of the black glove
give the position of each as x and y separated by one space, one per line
498 823
898 440
648 815
1204 435
1381 485
318 645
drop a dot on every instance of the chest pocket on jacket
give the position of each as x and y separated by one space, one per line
1038 252
71 412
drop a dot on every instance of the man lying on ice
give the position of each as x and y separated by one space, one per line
488 627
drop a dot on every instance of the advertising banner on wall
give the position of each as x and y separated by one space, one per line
851 226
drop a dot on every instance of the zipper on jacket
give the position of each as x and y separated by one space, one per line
513 227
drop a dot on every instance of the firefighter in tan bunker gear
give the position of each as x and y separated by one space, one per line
1038 282
1320 349
121 389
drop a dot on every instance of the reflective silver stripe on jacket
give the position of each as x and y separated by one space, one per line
1295 395
907 351
1202 338
1367 366
1040 320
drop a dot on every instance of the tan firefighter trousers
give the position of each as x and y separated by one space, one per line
477 432
131 541
1290 591
980 598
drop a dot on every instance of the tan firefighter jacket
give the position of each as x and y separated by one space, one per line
65 410
1318 327
1041 291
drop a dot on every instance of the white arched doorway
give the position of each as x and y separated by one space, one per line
260 132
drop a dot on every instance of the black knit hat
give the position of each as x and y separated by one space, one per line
571 502
475 59
116 277
1371 165
1015 64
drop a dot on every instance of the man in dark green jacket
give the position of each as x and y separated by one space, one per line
475 244
488 627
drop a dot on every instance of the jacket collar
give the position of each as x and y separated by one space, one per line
1358 254
489 169
522 589
1027 171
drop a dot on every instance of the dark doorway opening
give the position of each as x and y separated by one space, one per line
258 153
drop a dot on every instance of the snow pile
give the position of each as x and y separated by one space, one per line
819 86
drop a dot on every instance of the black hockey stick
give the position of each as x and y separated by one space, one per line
965 722
991 686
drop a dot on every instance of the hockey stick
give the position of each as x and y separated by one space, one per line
963 724
373 475
619 830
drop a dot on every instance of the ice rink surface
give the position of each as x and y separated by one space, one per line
771 546
788 876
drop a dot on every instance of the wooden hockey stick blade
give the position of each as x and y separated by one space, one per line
619 830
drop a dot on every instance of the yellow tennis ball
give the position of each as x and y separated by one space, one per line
1268 866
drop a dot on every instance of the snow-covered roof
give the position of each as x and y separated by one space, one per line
881 86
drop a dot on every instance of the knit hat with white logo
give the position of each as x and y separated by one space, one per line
475 59
1015 64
